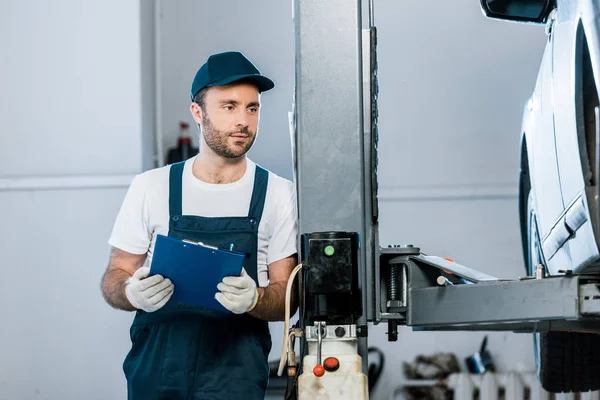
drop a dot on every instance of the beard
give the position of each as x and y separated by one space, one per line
218 141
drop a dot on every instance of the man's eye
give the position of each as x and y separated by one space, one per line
253 109
228 108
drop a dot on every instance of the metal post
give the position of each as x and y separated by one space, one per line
333 150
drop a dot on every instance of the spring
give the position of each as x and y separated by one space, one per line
393 283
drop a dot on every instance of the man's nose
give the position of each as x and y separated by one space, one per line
242 120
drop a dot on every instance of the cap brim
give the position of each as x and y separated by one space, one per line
262 82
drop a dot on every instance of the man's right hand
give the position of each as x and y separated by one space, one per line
148 293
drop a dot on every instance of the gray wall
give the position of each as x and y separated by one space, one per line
76 119
70 140
70 79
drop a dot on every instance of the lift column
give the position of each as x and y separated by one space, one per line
333 140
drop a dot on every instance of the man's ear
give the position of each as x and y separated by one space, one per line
196 111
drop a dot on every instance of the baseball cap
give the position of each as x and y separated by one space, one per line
228 67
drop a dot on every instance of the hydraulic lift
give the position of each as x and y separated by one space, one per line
346 278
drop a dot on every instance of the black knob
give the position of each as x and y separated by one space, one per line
340 331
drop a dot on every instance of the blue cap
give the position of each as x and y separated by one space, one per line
225 68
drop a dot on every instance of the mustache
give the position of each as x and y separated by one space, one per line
244 130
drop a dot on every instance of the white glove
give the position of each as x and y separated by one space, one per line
238 294
148 294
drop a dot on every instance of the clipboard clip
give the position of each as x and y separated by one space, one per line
200 244
206 245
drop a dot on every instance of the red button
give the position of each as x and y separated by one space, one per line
331 364
318 370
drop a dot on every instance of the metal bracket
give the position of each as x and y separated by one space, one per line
331 332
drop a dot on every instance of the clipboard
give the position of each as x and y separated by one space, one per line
195 269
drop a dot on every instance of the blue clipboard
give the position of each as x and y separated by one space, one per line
195 270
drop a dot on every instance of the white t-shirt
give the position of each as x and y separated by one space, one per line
145 212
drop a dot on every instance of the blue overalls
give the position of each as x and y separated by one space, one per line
184 352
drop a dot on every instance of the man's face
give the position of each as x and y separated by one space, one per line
229 120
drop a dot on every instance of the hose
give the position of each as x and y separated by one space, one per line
374 370
286 322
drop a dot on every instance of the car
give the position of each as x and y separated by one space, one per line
559 182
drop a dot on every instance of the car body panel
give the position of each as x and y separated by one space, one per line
564 200
575 23
543 168
538 128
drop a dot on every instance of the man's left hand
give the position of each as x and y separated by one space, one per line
238 294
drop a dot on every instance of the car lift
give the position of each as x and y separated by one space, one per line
346 279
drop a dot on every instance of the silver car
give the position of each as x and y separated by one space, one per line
560 170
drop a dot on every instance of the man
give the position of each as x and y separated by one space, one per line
217 197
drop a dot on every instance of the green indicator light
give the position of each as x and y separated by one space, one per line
329 250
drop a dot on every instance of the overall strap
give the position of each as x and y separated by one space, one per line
259 193
175 178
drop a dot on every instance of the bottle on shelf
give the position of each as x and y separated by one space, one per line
184 148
